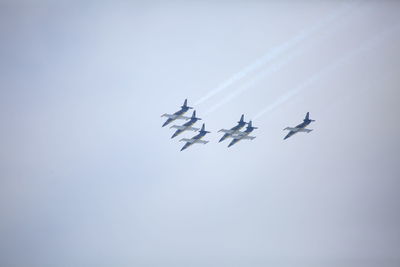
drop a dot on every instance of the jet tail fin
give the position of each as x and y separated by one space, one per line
241 119
250 126
307 118
194 116
203 129
185 104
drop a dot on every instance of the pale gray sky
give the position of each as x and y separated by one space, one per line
89 177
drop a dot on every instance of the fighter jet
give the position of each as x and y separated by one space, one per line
195 139
233 130
177 115
186 126
243 135
299 128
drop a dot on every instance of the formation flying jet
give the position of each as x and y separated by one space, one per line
177 115
195 139
186 126
299 128
243 135
233 130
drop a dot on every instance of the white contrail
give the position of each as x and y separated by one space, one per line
269 70
318 75
277 51
260 76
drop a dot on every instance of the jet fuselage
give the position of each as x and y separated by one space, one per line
196 137
302 125
235 129
177 115
245 133
186 125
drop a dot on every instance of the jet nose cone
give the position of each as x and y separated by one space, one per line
176 133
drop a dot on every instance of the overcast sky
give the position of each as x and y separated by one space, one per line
90 178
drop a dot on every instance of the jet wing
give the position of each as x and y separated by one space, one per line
169 116
192 141
183 117
237 135
184 128
194 129
247 137
293 129
174 117
243 137
188 140
178 127
227 131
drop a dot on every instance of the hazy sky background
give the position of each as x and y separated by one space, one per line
89 177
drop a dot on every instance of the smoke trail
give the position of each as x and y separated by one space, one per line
269 70
277 51
318 75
